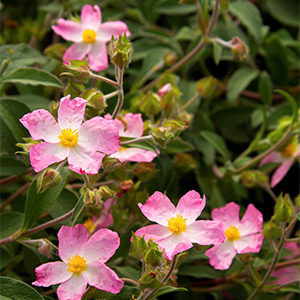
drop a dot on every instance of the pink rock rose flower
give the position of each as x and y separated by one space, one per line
241 236
82 263
286 157
177 227
70 138
89 37
134 128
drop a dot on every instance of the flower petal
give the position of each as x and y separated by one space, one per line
134 154
286 275
101 246
155 232
165 89
190 206
72 289
77 51
134 125
281 172
98 134
70 240
107 29
273 157
103 278
158 208
97 55
205 232
91 17
71 112
45 154
51 273
249 243
41 126
227 215
106 218
252 221
221 256
69 30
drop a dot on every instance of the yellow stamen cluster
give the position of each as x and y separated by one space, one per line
68 137
77 264
232 234
89 36
89 224
289 150
177 224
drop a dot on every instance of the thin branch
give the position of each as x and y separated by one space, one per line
119 74
109 81
13 177
142 138
110 95
97 184
87 181
130 281
199 12
189 102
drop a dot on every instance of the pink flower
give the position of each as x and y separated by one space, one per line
290 274
165 89
241 236
69 138
285 157
177 227
134 128
89 37
82 263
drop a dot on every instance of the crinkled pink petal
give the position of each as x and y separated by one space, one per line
134 154
227 215
106 218
134 125
71 112
41 126
286 275
77 51
281 172
51 273
99 134
252 221
205 232
101 246
155 232
83 161
102 277
221 256
273 157
190 206
165 89
107 29
45 154
69 30
158 208
293 248
72 289
97 55
70 241
249 243
91 17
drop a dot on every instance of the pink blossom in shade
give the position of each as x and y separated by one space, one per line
165 89
241 236
286 158
82 263
176 227
89 37
83 144
131 126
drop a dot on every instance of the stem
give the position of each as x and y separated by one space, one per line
296 239
108 96
97 184
270 192
199 11
119 74
142 138
13 178
109 81
87 181
213 18
189 102
130 281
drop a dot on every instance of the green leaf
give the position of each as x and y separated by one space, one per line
17 290
239 81
265 88
10 222
32 76
176 10
298 216
168 289
217 52
177 146
9 165
129 272
77 211
217 142
6 257
198 272
36 204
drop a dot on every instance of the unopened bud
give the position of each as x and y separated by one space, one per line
209 87
95 100
271 230
138 246
254 178
150 104
105 193
120 51
126 185
240 49
284 209
47 179
78 69
54 108
29 142
91 197
170 58
45 249
74 89
165 89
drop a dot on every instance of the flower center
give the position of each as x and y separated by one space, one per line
68 137
89 36
232 234
89 224
289 150
177 224
122 149
77 264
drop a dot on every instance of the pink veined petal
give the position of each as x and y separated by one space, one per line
286 275
281 172
72 289
106 218
249 243
221 256
45 154
41 126
99 134
227 215
107 29
102 277
91 17
51 273
70 241
83 161
165 89
155 232
190 206
71 112
251 222
134 154
134 125
69 30
205 232
77 51
97 55
293 248
158 208
101 246
273 157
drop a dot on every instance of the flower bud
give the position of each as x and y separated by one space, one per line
284 209
185 162
54 108
165 89
47 179
74 88
126 185
154 257
170 58
95 100
252 178
271 230
209 87
150 104
91 197
120 54
78 69
105 193
138 246
239 50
